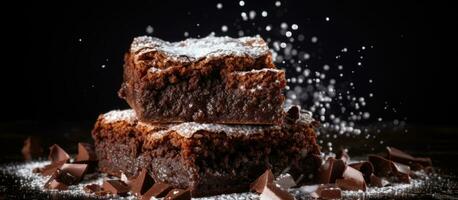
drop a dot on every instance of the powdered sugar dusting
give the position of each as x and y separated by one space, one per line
120 115
27 180
253 71
187 129
208 47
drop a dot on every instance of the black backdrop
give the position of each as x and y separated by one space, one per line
52 65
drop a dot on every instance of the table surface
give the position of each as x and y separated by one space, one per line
439 143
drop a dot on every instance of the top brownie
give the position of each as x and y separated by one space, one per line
208 80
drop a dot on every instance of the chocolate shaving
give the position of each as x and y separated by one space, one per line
352 179
32 148
48 170
382 166
116 187
324 191
86 152
76 170
271 191
331 170
378 182
141 183
158 190
260 183
54 184
343 155
57 154
364 167
92 188
401 171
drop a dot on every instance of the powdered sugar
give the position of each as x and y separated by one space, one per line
33 183
208 47
187 129
253 71
120 115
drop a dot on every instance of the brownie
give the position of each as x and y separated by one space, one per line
208 159
209 80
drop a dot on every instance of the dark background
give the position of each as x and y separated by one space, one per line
48 74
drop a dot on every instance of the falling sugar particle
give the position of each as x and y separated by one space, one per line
327 19
268 28
149 29
283 25
288 34
224 28
103 66
186 34
278 3
244 16
326 67
294 26
264 13
219 6
241 3
363 47
359 64
314 39
80 40
252 14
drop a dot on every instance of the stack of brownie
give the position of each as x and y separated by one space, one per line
207 115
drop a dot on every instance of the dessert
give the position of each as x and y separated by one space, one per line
219 80
207 159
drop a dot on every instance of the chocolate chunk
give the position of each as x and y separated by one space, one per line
158 190
401 171
57 154
76 170
95 189
54 184
324 191
382 166
285 181
141 183
364 167
352 180
178 194
378 182
343 155
331 170
399 156
48 170
271 192
424 161
32 148
86 152
92 188
115 187
64 177
293 113
260 183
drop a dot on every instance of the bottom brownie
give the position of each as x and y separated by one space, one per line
208 159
